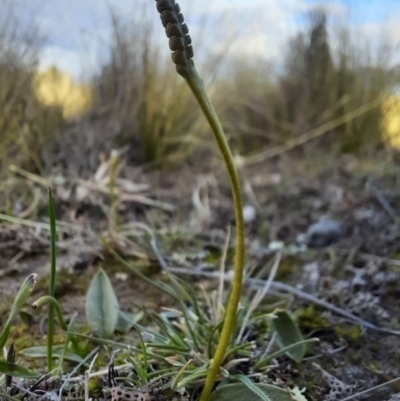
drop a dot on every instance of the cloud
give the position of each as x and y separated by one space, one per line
256 27
380 38
78 32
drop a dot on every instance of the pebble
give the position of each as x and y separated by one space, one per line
323 234
249 213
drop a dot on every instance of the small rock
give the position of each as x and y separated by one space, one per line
323 233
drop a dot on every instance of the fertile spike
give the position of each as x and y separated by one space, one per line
177 31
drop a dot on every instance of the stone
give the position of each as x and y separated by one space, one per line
323 233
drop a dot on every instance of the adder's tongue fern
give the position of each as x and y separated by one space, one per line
182 55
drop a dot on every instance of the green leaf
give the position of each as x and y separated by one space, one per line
52 286
127 320
102 307
241 392
19 301
287 334
264 362
41 352
252 386
15 370
53 239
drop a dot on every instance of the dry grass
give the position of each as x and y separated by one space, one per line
140 88
25 124
320 86
139 100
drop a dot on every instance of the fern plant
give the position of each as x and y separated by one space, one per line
180 44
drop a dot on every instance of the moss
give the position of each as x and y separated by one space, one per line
374 366
353 333
24 336
287 267
95 388
375 347
310 319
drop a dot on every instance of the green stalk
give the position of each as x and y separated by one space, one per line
196 85
52 288
56 306
180 44
54 303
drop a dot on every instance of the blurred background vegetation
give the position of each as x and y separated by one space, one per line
340 99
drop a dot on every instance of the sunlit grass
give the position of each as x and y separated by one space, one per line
56 88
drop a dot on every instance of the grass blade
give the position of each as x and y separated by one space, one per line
252 387
58 352
241 392
15 370
52 287
285 350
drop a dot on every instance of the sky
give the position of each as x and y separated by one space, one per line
77 32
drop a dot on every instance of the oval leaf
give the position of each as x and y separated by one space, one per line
41 352
15 370
287 334
102 308
240 392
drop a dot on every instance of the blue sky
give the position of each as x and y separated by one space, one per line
78 31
